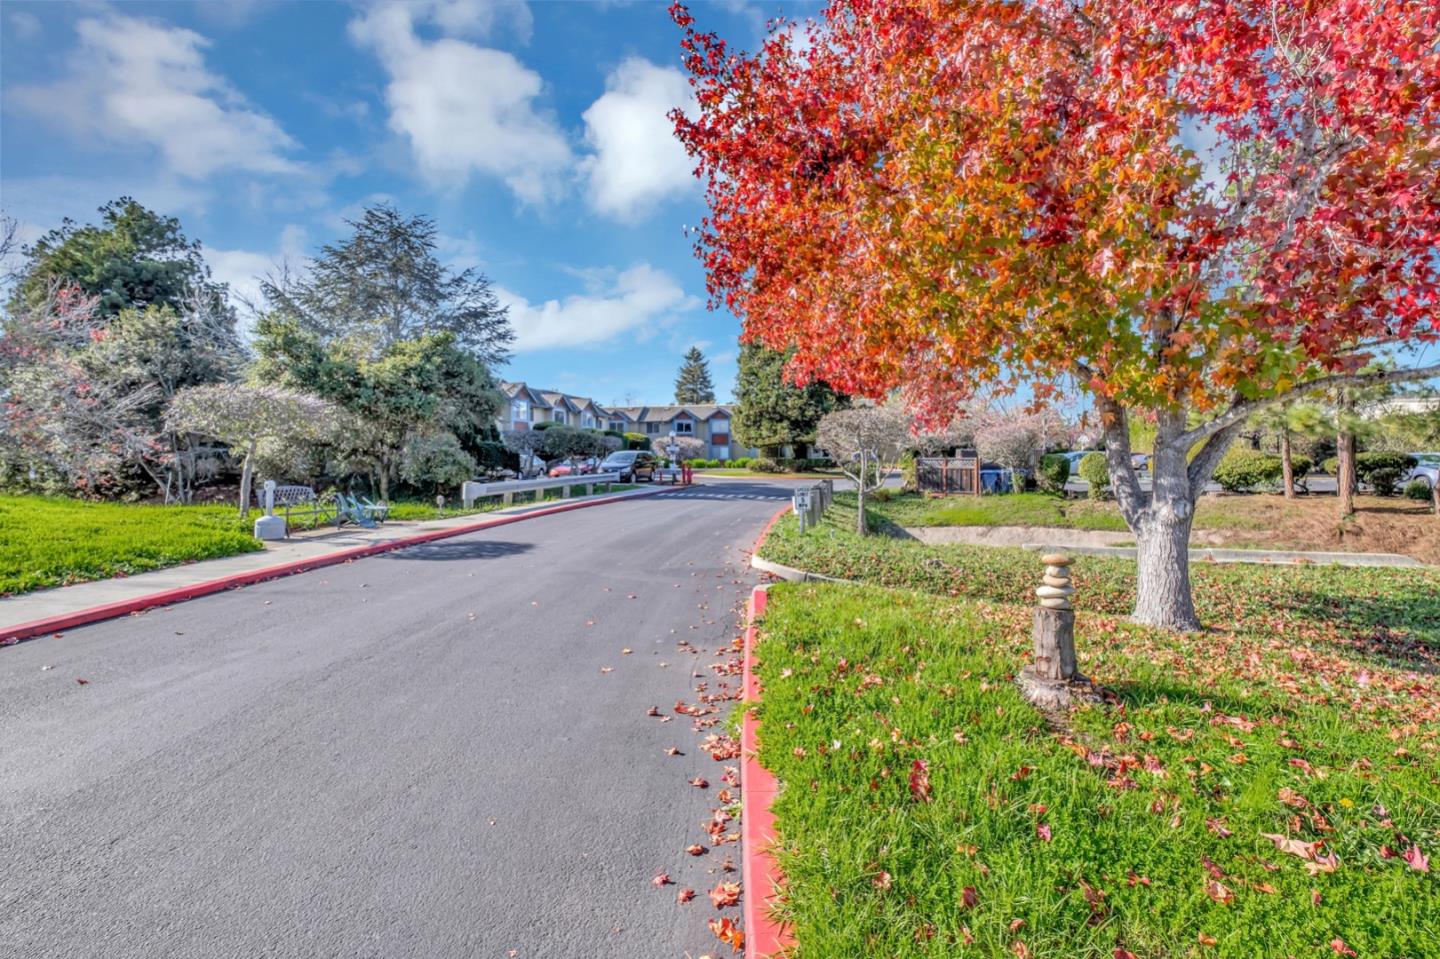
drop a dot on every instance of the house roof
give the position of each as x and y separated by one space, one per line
553 399
664 414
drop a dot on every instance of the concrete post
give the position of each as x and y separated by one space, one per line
270 526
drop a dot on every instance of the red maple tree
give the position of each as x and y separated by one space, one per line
1188 211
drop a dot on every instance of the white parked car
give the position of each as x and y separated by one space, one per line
1427 468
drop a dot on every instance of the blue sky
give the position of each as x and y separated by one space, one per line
533 133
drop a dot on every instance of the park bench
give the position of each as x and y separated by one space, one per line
296 503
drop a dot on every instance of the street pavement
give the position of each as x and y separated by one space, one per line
440 751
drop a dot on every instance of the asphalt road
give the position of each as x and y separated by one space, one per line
417 754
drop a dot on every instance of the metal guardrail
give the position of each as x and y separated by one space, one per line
811 502
471 491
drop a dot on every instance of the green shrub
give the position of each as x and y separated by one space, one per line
543 425
909 471
1330 465
764 464
1053 473
636 441
1094 471
1300 465
1384 480
436 461
739 462
491 456
1383 470
1418 489
1243 469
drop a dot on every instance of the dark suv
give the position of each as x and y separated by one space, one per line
631 465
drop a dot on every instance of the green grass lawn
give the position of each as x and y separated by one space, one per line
1036 509
1139 831
1392 615
54 541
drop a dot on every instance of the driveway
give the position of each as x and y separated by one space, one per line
443 751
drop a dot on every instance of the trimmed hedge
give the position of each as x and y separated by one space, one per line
1053 473
1094 471
1241 470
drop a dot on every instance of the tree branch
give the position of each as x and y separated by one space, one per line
1242 410
1128 494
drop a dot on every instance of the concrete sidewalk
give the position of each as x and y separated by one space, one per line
16 611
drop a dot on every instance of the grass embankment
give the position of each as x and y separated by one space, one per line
1142 831
48 541
1261 520
1385 612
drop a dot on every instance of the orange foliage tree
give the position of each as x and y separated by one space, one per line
1187 211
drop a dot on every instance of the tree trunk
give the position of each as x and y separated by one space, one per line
860 526
1287 469
1162 585
384 480
246 470
1161 522
1345 480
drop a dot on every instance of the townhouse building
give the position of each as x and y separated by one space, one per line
707 422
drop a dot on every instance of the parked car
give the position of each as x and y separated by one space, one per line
577 469
1427 469
632 465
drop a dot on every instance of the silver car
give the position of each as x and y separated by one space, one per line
1427 468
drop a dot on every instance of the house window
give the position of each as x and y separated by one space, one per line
587 420
520 410
652 428
559 416
719 439
684 428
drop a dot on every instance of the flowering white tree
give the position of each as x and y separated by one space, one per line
689 448
866 442
244 416
59 419
1016 440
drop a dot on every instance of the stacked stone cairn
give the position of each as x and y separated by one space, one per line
1056 590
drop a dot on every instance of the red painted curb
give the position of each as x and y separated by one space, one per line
125 607
758 786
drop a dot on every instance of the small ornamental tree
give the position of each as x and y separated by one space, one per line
689 448
1016 440
866 443
525 444
244 416
1188 211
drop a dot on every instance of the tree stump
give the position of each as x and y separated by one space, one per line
1053 681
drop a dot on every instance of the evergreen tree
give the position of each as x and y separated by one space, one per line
771 413
693 384
384 284
135 258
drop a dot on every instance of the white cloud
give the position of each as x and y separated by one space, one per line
244 269
24 26
637 161
634 301
465 108
133 81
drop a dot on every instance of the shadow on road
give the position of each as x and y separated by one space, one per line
479 549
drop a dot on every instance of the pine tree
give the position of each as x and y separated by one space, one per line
771 413
693 384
